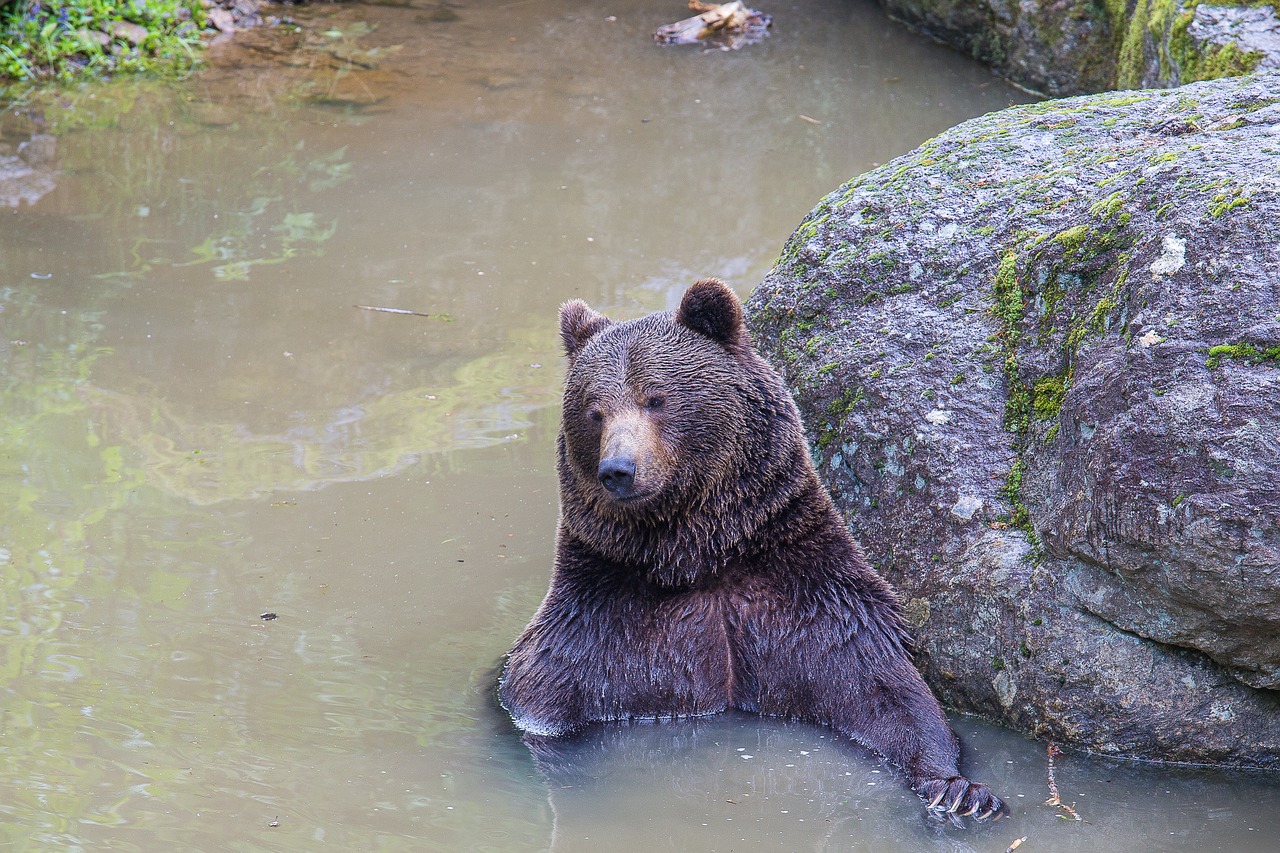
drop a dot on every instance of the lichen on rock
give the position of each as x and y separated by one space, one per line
1040 360
1081 46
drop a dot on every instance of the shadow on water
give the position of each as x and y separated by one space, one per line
197 427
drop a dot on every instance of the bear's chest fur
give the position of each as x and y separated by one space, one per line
687 665
635 650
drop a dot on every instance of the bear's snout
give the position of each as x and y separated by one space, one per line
618 475
627 445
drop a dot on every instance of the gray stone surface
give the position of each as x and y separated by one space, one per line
1040 361
1070 47
1056 48
1253 29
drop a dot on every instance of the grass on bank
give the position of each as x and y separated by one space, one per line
66 39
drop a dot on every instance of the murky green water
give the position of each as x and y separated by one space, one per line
197 428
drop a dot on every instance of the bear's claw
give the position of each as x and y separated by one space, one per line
957 797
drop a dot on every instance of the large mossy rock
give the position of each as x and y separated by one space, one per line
1039 358
1075 46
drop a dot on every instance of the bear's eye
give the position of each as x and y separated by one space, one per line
655 402
595 415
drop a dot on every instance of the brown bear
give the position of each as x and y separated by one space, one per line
701 565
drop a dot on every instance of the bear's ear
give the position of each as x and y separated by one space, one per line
577 324
710 308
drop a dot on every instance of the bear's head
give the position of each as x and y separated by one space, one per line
670 425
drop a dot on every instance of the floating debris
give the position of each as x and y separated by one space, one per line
1054 799
445 317
728 26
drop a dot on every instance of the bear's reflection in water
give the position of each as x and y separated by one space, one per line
732 781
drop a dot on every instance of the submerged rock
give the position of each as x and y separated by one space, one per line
31 174
1039 358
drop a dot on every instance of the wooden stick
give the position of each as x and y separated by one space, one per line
403 311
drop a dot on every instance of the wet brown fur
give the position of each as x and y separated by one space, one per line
724 578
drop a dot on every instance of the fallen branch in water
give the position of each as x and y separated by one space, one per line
1054 799
444 317
733 21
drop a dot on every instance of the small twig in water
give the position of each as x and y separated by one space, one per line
1054 799
1017 842
444 317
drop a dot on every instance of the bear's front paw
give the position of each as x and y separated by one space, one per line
958 797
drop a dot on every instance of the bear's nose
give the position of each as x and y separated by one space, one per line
618 475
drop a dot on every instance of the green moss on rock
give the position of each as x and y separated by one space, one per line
1208 62
1047 394
1242 351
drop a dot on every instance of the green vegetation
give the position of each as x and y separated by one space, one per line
1209 64
1110 207
1008 293
1227 200
1050 291
1072 239
1008 309
1163 24
1242 351
1011 491
1046 396
1132 60
837 411
66 39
